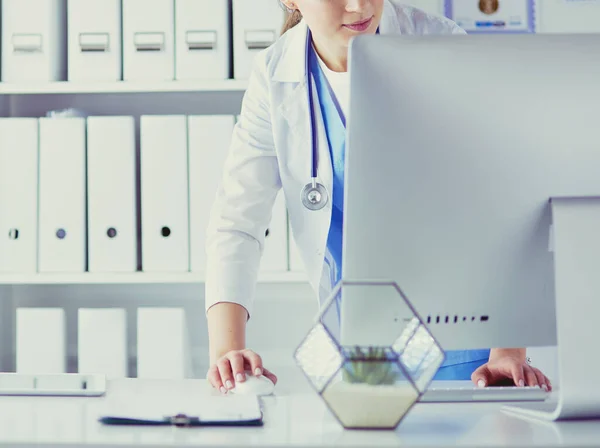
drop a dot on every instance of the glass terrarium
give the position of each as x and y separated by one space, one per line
369 355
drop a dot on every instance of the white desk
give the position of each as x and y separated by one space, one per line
295 418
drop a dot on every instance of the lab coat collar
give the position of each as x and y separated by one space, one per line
292 64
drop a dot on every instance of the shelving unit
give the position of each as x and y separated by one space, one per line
79 88
136 278
127 98
219 97
286 295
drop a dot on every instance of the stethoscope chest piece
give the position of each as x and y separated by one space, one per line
314 196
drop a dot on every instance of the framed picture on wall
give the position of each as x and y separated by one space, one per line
492 16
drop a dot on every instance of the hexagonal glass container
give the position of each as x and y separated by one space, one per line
369 355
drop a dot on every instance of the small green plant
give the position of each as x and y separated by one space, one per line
371 365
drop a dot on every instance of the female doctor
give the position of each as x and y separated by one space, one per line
299 86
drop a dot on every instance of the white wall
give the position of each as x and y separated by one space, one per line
568 16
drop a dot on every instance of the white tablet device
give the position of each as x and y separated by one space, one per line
67 384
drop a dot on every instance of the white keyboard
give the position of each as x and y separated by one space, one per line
68 384
465 391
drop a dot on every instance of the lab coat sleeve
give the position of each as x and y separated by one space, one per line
243 205
457 30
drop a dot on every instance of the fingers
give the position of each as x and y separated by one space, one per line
214 378
237 366
270 375
531 379
518 374
496 373
482 377
548 383
224 366
535 377
233 366
254 361
543 381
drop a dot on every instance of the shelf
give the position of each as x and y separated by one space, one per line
134 278
74 88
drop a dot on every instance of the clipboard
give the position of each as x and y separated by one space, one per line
180 421
191 412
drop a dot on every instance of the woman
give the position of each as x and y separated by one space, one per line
271 150
489 6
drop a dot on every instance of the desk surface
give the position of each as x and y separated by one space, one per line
292 417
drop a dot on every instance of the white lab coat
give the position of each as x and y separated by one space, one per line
271 150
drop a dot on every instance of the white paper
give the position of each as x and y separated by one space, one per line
228 408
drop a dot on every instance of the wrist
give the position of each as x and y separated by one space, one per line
226 329
516 353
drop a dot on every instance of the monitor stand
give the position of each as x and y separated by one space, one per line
576 226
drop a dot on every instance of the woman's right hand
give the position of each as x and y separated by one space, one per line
233 366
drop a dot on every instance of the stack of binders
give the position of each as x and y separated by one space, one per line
134 40
69 197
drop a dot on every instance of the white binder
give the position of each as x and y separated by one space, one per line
164 188
163 348
111 167
148 40
41 340
102 342
209 140
275 257
18 194
202 39
62 198
256 25
94 40
33 40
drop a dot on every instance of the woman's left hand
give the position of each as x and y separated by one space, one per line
509 366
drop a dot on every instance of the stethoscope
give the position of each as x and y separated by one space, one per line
314 194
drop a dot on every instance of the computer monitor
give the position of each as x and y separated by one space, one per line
455 146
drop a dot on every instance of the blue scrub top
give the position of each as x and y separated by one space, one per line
459 365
